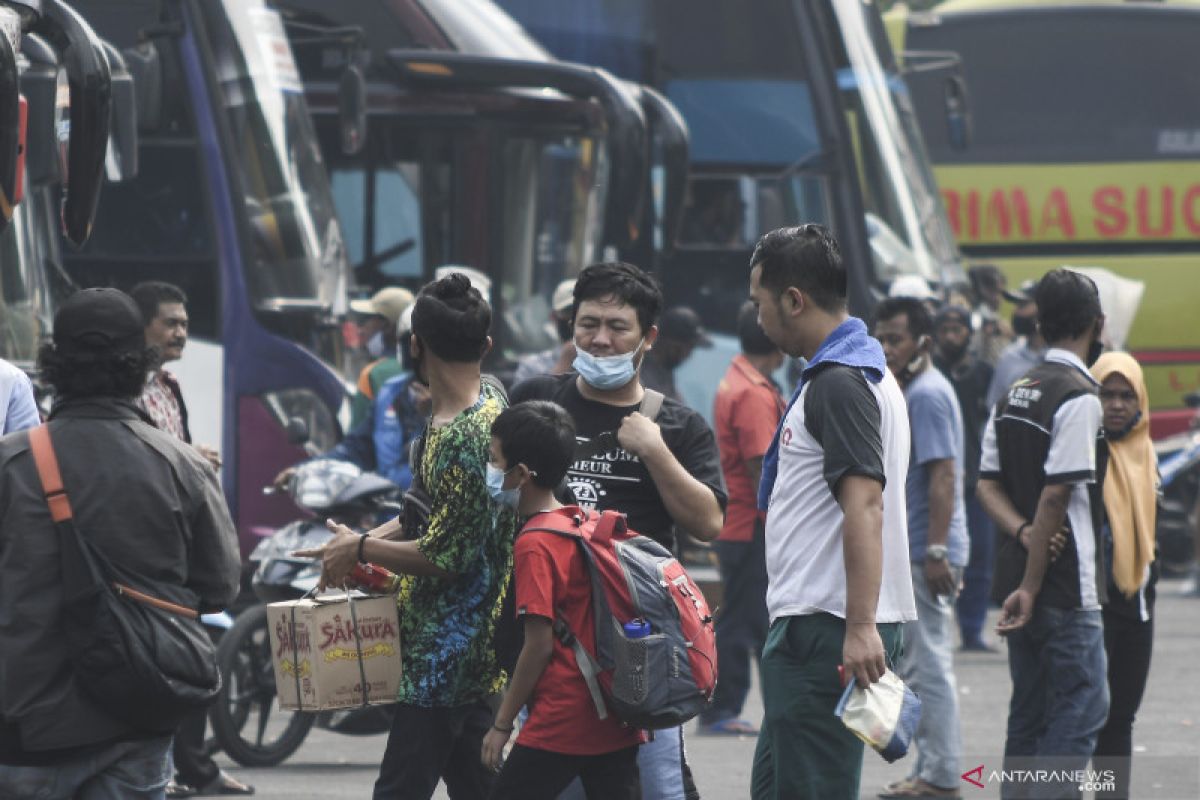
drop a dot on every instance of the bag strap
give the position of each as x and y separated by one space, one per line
55 493
588 668
606 441
49 475
600 607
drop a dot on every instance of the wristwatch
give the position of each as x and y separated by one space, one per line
936 552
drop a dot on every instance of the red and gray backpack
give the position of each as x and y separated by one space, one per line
655 680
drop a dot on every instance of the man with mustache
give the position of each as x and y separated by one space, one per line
970 376
164 313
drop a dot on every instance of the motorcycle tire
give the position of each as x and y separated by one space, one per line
247 723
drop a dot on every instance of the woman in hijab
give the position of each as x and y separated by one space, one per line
1130 503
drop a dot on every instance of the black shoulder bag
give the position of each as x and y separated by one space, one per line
143 660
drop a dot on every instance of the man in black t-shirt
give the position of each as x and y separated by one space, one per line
661 473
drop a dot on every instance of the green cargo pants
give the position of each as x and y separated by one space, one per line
804 752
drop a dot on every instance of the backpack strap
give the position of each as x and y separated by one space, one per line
652 403
60 511
606 441
588 668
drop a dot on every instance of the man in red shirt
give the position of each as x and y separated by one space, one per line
533 443
746 413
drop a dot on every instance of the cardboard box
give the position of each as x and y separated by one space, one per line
319 660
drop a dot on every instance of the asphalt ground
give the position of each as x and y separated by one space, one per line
1166 735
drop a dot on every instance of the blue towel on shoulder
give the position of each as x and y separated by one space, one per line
849 345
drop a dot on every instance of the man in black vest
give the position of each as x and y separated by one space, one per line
1038 477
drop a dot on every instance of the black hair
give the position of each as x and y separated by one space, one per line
753 338
1068 304
149 295
916 313
86 372
624 282
452 319
540 435
985 277
806 257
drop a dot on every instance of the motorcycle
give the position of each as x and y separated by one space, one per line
1179 472
247 723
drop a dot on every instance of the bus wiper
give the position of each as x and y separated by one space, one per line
817 158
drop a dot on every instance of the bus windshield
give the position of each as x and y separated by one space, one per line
899 193
1085 103
297 259
742 83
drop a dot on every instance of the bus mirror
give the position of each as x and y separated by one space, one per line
958 113
121 163
90 87
352 110
670 134
145 67
10 129
40 84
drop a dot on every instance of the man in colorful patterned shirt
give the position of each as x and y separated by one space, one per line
455 572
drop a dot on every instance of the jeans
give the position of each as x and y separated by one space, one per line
135 770
1060 697
928 668
1128 644
532 774
741 623
972 603
664 769
805 752
428 744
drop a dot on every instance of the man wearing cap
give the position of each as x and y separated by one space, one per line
988 285
679 333
554 360
380 442
970 377
378 318
148 502
1027 351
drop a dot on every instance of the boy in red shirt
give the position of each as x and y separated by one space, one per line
533 443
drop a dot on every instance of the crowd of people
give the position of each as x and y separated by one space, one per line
928 461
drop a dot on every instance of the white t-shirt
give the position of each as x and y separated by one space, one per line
841 425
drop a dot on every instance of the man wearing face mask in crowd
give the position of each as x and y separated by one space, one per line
970 376
455 572
937 541
553 360
1027 351
378 318
661 473
1040 476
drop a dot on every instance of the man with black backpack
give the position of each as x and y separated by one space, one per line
651 458
455 562
144 501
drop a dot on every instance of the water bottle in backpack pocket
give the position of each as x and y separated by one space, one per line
653 658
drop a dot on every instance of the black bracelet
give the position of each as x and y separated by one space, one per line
1017 536
362 539
509 729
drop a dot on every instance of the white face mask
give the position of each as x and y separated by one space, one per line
606 372
375 345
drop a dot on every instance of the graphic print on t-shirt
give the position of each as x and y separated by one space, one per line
591 478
